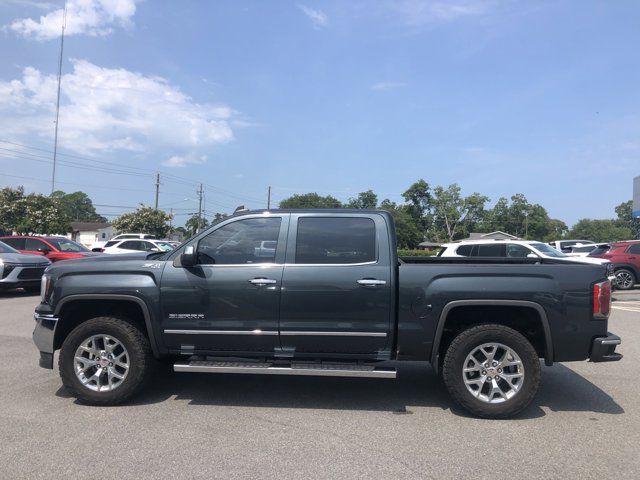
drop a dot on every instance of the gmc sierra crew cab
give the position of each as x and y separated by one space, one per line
320 292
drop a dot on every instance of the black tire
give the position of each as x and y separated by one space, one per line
630 279
464 344
141 360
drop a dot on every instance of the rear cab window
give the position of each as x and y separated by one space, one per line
335 240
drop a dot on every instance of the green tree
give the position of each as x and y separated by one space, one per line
11 210
310 200
418 198
624 212
77 206
31 213
42 215
455 216
600 230
196 224
144 220
408 231
218 216
366 199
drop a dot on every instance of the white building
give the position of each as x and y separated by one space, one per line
88 233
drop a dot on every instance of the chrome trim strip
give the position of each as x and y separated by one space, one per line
266 265
316 372
332 334
330 264
222 332
50 318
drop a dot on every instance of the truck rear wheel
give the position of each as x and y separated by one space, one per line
105 360
492 371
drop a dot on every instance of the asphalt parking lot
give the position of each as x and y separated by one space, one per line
584 423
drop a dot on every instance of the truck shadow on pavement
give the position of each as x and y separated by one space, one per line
416 386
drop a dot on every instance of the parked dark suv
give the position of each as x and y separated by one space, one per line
625 257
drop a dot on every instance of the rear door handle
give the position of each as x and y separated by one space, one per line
262 281
371 282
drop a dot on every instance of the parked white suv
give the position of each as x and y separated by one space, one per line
136 245
99 246
513 249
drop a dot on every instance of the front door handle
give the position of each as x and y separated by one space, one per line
371 282
262 281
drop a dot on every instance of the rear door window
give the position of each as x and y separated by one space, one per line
491 250
131 245
335 240
34 244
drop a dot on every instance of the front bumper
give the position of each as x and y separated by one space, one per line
43 336
603 349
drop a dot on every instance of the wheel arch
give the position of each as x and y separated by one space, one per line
537 311
627 266
115 303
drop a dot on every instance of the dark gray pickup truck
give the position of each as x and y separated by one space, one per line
320 292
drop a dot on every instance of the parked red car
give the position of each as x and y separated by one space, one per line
54 248
625 257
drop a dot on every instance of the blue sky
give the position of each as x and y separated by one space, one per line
335 97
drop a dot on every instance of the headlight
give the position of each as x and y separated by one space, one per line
45 288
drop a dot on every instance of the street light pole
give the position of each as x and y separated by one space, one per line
55 135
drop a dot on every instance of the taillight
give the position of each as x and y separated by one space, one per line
601 299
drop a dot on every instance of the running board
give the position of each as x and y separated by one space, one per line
296 368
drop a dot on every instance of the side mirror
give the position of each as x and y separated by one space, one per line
532 255
188 257
44 250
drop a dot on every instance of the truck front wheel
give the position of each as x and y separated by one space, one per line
492 371
105 360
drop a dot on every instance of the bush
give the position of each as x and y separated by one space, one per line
405 252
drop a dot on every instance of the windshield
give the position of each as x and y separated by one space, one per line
66 245
547 250
4 248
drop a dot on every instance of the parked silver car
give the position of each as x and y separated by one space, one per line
20 269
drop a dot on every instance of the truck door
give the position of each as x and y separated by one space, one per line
230 300
337 284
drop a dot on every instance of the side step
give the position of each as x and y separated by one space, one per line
294 368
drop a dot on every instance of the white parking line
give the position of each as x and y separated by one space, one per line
636 310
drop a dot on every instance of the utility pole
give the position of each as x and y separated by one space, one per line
199 208
157 189
269 198
55 135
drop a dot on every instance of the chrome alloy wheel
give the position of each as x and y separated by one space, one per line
493 373
624 279
101 363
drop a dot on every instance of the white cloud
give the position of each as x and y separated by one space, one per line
88 17
387 85
317 17
184 160
420 13
112 109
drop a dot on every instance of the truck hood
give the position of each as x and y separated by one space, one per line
100 258
23 258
